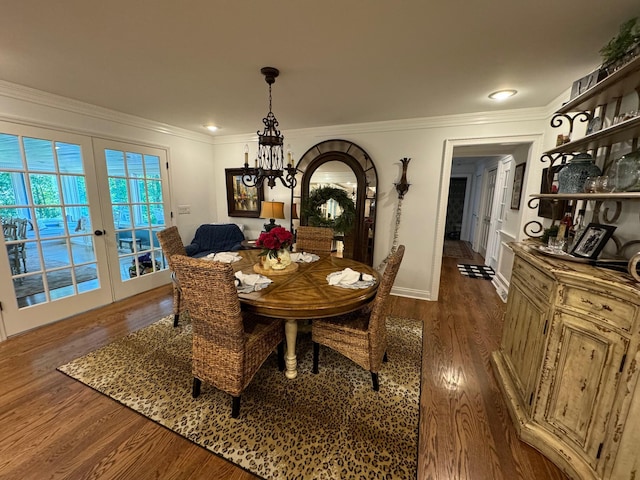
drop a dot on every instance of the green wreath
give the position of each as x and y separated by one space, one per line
311 209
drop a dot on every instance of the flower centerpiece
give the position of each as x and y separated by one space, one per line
275 247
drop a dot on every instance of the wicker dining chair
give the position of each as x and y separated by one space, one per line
229 344
361 335
171 244
316 240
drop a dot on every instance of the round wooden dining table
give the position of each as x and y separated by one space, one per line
303 293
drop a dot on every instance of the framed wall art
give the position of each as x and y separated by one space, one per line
516 194
242 201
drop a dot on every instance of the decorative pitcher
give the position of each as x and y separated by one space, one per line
280 261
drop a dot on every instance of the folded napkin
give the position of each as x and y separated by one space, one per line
303 257
348 278
251 282
225 257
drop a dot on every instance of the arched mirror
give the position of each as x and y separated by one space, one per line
342 165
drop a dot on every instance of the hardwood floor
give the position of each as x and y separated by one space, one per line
54 427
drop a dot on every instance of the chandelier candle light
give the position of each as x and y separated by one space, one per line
269 163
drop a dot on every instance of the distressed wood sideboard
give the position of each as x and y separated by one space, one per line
568 364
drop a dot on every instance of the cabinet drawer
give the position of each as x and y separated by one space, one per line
614 311
533 278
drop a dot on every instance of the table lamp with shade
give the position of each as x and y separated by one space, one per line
271 210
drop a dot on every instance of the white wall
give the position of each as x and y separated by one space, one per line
192 174
198 162
422 227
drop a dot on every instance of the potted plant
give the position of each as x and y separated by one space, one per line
623 47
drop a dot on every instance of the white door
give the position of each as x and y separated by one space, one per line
134 188
498 212
54 265
487 209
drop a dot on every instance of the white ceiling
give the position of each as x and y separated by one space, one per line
188 63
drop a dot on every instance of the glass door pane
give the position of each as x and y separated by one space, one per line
47 226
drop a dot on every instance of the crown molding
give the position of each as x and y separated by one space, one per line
480 118
38 97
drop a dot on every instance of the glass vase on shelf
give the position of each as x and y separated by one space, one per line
571 177
628 172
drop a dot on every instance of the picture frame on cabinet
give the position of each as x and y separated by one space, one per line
516 194
592 241
242 201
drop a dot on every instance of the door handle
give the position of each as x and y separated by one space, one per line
99 232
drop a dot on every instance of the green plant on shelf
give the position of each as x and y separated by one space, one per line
623 43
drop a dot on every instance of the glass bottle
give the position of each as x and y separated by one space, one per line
565 225
577 229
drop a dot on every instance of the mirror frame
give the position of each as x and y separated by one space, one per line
361 241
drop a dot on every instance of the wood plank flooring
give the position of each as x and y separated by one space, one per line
52 427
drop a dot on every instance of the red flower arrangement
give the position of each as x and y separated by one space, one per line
275 239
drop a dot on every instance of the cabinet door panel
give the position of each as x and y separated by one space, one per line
523 342
586 359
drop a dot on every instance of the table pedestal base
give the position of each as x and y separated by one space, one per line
290 333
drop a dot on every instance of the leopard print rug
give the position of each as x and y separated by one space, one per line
326 426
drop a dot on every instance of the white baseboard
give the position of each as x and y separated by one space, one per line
411 293
501 285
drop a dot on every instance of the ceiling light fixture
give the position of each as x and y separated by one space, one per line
502 94
269 163
211 128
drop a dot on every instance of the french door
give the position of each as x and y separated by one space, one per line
79 218
135 188
55 267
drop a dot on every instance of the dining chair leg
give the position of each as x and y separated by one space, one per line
385 358
235 407
196 387
176 316
281 365
374 378
316 353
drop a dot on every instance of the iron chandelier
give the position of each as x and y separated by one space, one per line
269 163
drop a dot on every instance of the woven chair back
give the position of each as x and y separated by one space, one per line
316 240
377 328
212 299
209 291
171 244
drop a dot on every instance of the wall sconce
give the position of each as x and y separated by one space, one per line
403 186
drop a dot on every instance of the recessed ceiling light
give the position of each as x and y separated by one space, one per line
211 128
502 94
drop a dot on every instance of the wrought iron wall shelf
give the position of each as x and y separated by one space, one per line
620 132
616 85
600 215
589 196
